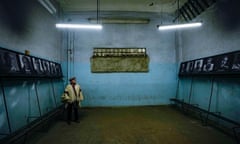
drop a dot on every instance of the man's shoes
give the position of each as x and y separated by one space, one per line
69 122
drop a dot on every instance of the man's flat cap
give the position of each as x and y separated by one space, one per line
72 78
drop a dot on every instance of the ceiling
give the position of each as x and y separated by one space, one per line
156 6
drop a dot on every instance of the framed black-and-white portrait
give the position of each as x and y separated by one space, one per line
26 64
53 69
223 63
15 64
46 67
182 68
236 62
208 65
58 70
189 67
37 66
9 64
198 64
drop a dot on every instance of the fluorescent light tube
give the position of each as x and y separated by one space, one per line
179 26
79 26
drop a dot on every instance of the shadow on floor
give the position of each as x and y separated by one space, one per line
129 125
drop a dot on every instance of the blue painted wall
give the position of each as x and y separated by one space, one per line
214 37
124 89
40 37
27 100
224 92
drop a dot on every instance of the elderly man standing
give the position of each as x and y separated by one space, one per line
74 96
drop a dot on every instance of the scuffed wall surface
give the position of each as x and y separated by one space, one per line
213 38
220 95
124 89
37 33
216 36
28 26
26 101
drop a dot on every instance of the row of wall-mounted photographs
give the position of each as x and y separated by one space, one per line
18 64
105 52
228 63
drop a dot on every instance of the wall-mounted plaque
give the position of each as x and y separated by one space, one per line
119 60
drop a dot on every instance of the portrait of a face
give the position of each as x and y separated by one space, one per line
182 68
208 65
198 65
53 69
25 64
189 67
236 62
37 65
46 67
58 69
8 62
224 63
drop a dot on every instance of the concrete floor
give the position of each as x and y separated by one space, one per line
131 125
